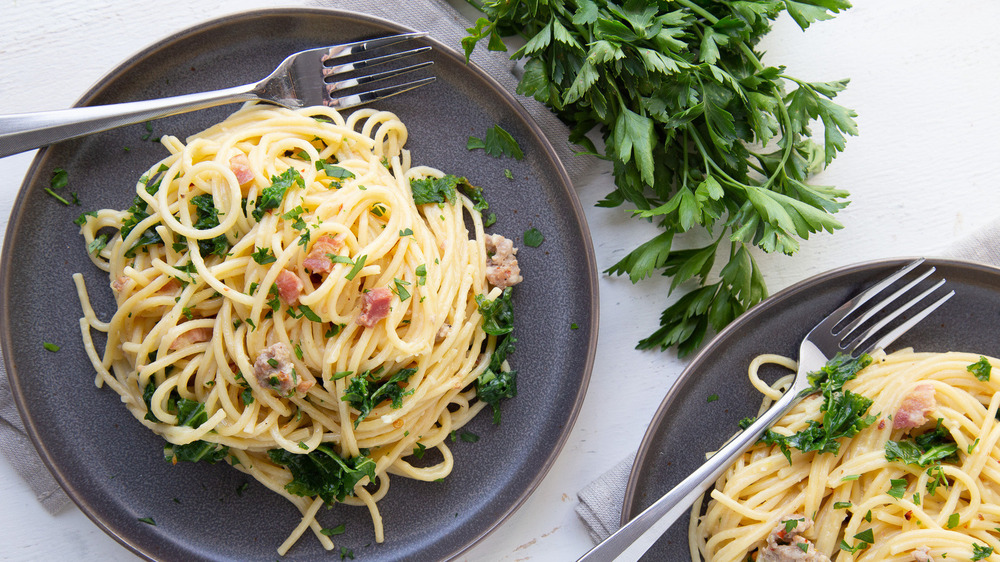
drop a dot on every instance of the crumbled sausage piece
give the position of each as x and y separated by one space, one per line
273 369
501 265
786 543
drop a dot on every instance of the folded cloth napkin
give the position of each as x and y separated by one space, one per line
444 23
600 502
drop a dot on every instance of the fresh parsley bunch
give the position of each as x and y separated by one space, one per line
700 131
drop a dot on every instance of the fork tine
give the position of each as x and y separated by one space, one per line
377 94
856 341
874 309
890 337
837 316
347 49
363 63
333 87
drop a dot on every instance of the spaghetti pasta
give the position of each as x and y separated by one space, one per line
922 482
292 293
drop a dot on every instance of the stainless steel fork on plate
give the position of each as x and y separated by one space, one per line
858 326
313 77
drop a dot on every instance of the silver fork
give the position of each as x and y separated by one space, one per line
311 77
821 344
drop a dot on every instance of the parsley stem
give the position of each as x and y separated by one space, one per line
699 10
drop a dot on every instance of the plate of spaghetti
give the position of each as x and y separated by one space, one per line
896 461
268 332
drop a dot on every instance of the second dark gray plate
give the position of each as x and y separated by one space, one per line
687 424
113 467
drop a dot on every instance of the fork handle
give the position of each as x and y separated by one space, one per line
25 131
631 541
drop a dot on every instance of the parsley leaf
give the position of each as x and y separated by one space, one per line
844 412
271 196
498 143
981 369
263 256
498 314
364 393
980 552
926 449
323 472
533 238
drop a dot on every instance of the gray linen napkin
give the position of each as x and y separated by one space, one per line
444 23
600 502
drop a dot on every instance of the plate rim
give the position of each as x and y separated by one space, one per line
720 339
513 104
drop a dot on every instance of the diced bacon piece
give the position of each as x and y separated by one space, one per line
119 283
194 335
289 287
913 410
786 543
171 286
318 260
240 166
501 266
274 370
375 306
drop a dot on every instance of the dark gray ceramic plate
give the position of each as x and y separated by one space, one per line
113 468
687 425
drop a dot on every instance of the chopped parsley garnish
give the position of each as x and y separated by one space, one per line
468 437
334 531
139 211
323 472
981 369
195 452
51 347
497 143
419 449
206 217
340 374
842 505
148 520
533 238
498 314
925 449
953 520
712 397
296 215
309 314
59 180
401 289
443 189
358 264
405 232
897 488
980 552
82 219
365 392
263 256
271 197
421 272
844 412
97 244
335 172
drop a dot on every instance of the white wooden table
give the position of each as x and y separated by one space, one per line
923 172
